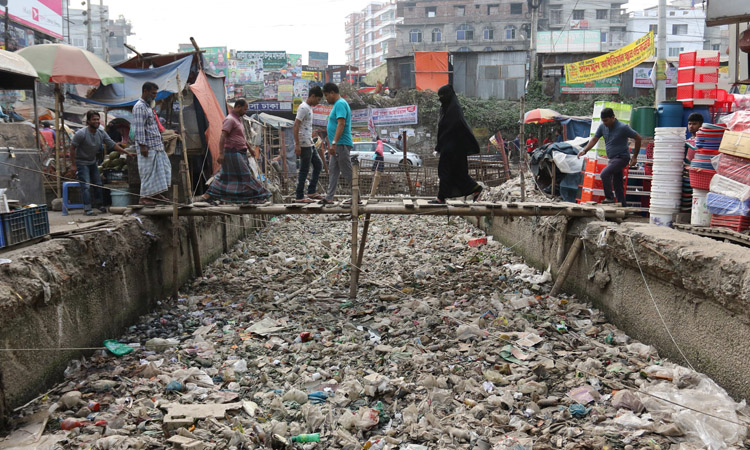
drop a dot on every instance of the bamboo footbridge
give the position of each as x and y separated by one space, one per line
354 208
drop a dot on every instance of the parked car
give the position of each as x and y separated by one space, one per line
364 151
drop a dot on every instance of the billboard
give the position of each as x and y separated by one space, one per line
42 15
613 63
271 60
642 77
576 41
318 59
216 60
609 85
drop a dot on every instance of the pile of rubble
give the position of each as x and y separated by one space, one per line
453 342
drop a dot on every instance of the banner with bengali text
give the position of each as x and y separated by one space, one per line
611 64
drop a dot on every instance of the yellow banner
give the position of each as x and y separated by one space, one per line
612 63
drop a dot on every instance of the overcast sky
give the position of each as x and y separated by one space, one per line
294 26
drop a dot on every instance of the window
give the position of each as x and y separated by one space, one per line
437 35
493 10
601 14
384 47
516 8
675 51
653 28
604 37
579 14
488 49
510 32
671 13
431 11
415 35
555 16
488 34
460 11
716 47
464 49
679 29
465 33
78 42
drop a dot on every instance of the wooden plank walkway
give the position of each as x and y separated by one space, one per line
401 206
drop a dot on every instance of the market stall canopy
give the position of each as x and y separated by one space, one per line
274 121
127 92
17 72
60 63
540 115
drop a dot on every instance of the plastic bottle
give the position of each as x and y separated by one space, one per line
315 437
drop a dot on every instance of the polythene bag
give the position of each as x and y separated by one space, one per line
568 163
727 206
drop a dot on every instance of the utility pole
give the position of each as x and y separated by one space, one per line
661 54
105 37
89 40
6 35
534 5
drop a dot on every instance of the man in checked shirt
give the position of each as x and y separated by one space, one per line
153 164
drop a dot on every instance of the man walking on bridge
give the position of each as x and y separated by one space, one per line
616 136
305 149
153 164
340 136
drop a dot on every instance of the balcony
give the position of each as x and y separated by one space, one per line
618 16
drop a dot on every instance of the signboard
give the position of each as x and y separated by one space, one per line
216 60
301 87
307 75
269 106
271 60
381 117
398 115
320 115
576 41
609 85
293 60
613 63
286 90
42 15
642 77
318 59
579 24
253 90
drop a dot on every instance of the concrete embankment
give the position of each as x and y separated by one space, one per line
701 286
75 291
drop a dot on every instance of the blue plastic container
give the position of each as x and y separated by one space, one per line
701 109
669 114
37 221
15 227
2 235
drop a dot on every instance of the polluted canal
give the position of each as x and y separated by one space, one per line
452 343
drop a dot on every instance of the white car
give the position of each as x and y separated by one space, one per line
364 151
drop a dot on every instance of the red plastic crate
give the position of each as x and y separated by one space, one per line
685 91
734 168
699 58
705 93
593 166
591 181
587 195
736 223
701 178
711 77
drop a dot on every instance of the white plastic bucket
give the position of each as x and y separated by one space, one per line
660 217
120 198
700 215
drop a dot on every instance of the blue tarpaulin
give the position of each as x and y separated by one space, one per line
119 95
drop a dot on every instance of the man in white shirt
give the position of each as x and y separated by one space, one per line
305 148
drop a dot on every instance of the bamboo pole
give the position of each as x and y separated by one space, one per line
183 139
354 278
175 240
562 275
192 230
523 152
366 228
496 210
58 136
406 167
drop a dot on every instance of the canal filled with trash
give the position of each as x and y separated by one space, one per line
452 342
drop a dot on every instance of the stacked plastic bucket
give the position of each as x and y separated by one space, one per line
666 187
707 142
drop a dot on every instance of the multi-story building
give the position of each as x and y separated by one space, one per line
609 18
370 35
463 26
112 33
686 29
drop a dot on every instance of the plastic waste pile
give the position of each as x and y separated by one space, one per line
448 346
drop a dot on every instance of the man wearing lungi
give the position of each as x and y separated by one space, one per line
153 164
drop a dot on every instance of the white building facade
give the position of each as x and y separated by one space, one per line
370 35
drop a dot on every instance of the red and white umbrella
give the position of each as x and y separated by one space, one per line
540 115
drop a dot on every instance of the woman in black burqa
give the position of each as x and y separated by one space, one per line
455 142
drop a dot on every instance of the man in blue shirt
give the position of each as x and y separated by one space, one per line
616 136
340 137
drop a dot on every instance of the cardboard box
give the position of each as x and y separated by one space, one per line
736 143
